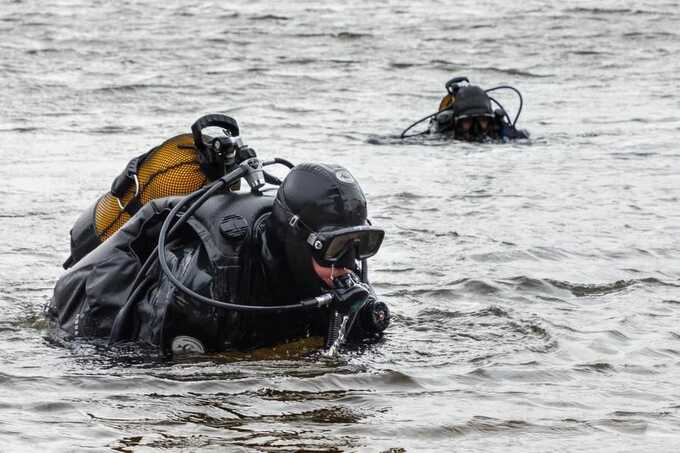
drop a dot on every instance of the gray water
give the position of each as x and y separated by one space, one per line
534 286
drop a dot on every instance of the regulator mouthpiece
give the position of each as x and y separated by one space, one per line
345 281
375 316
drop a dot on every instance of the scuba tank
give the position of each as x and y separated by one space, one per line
179 166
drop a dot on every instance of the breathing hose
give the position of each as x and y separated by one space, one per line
403 133
521 101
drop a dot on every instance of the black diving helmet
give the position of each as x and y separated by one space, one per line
473 115
320 213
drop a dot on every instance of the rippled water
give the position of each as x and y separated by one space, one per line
534 286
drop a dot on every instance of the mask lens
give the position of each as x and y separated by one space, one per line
367 243
473 122
370 244
340 244
465 124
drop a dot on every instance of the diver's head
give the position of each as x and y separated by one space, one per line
473 116
319 219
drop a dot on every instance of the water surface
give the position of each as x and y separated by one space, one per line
534 286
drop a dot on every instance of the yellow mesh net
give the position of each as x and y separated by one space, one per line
172 169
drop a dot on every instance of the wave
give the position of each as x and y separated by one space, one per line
601 289
608 11
268 17
512 71
132 87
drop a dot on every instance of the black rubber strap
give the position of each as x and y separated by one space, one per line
124 180
133 206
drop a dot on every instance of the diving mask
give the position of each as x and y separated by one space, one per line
329 246
474 126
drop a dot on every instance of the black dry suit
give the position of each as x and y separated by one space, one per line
231 249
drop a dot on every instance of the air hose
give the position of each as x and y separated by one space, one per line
403 133
521 101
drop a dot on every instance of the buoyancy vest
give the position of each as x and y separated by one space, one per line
219 253
232 264
227 225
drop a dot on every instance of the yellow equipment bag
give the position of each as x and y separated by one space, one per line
171 169
179 166
446 102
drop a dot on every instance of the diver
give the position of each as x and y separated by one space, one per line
225 270
466 113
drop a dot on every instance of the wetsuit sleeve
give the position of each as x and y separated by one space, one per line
89 296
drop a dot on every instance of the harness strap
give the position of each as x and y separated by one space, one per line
128 176
133 206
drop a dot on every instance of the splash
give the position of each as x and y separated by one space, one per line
336 337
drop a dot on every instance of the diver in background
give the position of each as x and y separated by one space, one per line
245 249
466 113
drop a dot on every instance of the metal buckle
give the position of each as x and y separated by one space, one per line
313 240
293 221
120 205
